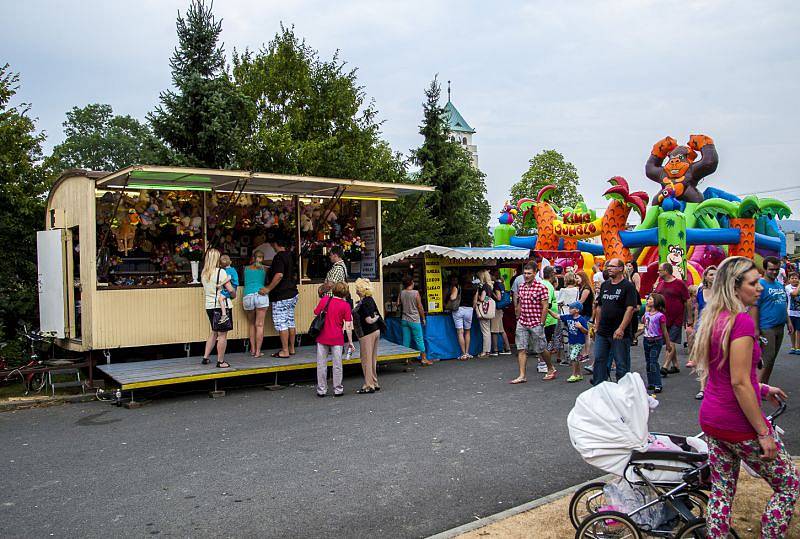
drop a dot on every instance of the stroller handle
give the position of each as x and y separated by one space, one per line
778 411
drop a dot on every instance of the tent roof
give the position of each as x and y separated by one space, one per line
478 254
180 178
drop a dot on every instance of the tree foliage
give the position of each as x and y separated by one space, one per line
458 206
22 191
309 116
201 120
96 139
549 167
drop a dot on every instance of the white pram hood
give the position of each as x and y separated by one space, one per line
609 421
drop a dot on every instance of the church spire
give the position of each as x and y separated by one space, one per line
448 91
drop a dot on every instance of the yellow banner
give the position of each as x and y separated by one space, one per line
433 284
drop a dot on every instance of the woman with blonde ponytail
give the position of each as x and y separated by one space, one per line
726 355
215 279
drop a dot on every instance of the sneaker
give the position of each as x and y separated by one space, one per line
575 378
506 352
674 370
494 354
658 389
583 359
651 388
589 368
541 367
664 372
699 395
794 351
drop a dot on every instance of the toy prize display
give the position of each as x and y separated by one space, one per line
689 229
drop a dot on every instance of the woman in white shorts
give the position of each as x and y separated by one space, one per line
462 317
255 301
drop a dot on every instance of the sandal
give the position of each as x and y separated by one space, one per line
205 361
278 354
518 381
223 365
463 357
550 375
364 391
426 362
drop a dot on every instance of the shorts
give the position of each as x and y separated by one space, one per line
530 338
462 318
283 314
210 313
255 301
497 322
675 334
795 322
575 351
553 335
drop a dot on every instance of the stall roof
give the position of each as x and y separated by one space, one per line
481 254
179 178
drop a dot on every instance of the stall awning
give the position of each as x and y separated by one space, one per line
478 254
199 179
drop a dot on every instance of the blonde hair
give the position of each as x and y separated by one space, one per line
363 287
693 290
210 265
224 261
484 277
724 298
570 279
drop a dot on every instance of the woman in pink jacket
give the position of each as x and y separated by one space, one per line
330 341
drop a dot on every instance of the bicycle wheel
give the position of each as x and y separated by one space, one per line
608 525
36 382
586 501
696 529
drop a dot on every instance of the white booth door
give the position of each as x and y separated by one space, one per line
52 299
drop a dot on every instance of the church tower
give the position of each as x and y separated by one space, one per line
459 130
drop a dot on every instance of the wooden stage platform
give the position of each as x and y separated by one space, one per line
161 372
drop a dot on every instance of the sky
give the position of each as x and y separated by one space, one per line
600 82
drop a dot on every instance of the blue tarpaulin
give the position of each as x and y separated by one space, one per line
441 341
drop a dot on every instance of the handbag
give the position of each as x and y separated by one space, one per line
319 321
216 325
486 309
505 300
453 304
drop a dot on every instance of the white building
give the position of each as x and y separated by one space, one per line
791 227
459 130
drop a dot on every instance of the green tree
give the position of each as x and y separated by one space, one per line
96 139
549 167
309 116
459 203
202 119
22 192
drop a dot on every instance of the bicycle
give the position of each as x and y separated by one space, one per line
32 374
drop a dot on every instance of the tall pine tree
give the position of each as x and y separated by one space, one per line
459 204
201 119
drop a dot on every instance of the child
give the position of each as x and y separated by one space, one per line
655 335
793 292
577 327
225 262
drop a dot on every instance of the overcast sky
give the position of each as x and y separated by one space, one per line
598 81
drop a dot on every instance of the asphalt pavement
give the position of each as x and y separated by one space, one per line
436 448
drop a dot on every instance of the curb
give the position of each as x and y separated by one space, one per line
491 519
21 403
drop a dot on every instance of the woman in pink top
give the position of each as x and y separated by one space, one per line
331 339
736 430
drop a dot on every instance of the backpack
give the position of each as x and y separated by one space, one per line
505 297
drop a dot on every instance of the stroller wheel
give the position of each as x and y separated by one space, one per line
586 501
608 525
696 529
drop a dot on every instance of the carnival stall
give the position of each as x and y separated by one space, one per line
120 255
431 267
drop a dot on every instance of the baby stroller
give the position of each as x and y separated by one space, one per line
662 477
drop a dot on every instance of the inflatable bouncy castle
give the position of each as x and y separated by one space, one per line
689 229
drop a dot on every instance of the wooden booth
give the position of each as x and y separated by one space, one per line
120 253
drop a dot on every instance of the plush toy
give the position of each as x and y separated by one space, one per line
306 225
126 232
